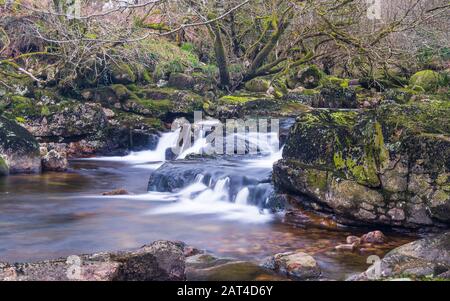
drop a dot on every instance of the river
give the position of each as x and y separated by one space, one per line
219 208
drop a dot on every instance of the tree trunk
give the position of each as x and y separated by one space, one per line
221 56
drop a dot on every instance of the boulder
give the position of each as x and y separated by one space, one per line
297 265
181 81
426 79
308 77
159 261
255 104
122 74
258 85
428 257
386 166
4 169
19 150
54 161
68 120
374 237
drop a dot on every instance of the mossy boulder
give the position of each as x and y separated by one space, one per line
310 77
253 104
4 169
386 166
424 259
69 119
122 74
427 79
258 85
19 150
181 81
326 97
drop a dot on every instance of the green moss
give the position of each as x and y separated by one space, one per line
161 105
146 76
331 81
121 91
294 108
310 92
236 100
22 106
431 117
45 111
257 85
347 119
427 79
380 147
339 162
4 170
317 179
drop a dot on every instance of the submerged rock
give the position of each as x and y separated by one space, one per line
298 265
429 257
388 166
19 150
206 267
159 261
120 191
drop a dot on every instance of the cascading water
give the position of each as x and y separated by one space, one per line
232 187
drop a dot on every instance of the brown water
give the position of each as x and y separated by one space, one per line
60 214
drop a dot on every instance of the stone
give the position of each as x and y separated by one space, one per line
181 81
258 85
424 258
159 261
19 150
120 191
122 74
396 214
372 167
298 265
346 247
55 161
426 79
374 237
353 239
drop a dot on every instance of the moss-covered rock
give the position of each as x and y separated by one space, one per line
383 166
19 150
181 81
310 77
427 79
258 85
424 259
122 74
4 169
253 104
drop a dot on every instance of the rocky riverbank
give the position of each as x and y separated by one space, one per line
424 259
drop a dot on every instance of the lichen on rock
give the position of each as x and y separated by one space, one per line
383 166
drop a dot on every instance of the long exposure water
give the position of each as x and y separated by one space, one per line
219 207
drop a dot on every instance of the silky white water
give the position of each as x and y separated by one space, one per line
211 196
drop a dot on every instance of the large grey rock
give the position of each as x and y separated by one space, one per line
159 261
422 258
19 150
297 265
388 166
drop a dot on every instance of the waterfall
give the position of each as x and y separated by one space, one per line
242 196
228 187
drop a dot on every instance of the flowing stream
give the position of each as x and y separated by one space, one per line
217 204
